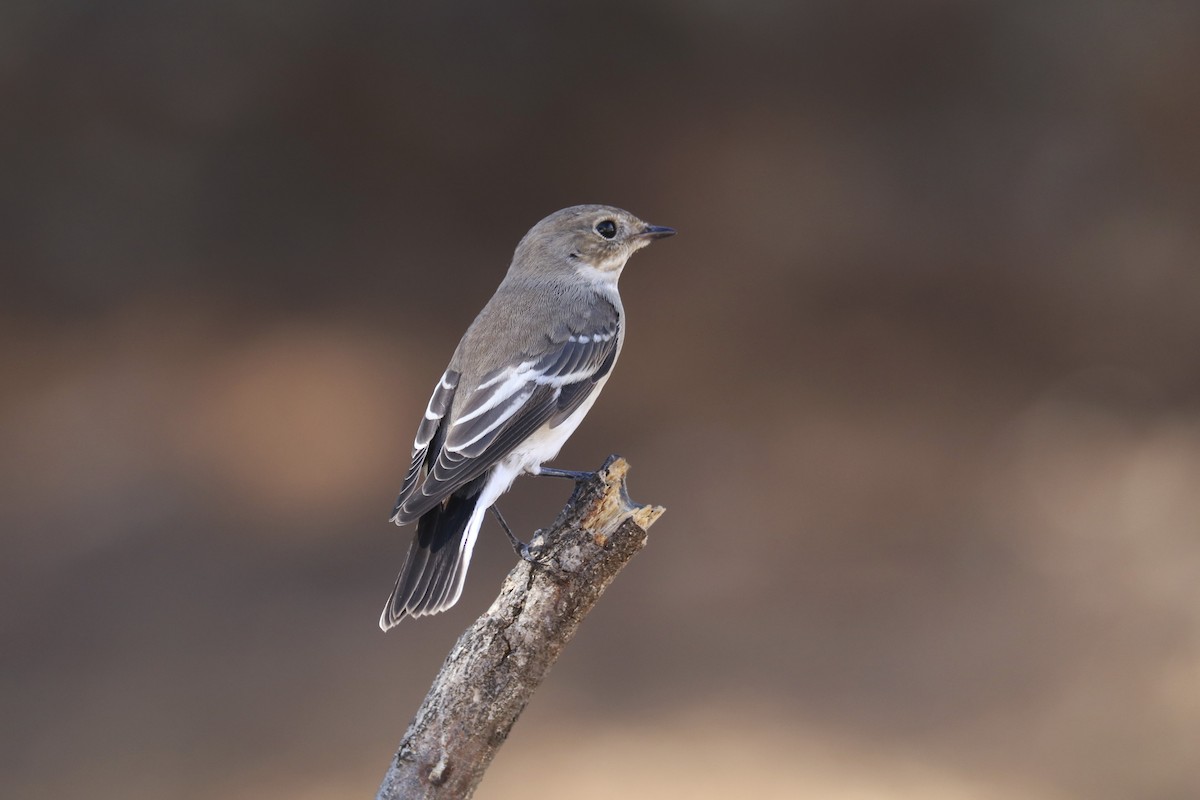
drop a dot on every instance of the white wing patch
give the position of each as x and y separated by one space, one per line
495 421
514 378
501 397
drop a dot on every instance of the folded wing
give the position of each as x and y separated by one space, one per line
505 408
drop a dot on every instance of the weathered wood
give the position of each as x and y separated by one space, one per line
498 663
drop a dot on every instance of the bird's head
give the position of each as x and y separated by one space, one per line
591 237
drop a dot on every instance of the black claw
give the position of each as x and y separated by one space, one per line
533 556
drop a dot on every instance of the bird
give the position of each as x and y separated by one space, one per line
522 378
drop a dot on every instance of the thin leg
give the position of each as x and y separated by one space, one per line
523 550
578 477
520 547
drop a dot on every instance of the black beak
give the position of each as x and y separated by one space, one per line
654 232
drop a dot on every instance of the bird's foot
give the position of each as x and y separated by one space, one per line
532 552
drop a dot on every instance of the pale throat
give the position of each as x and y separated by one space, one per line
606 273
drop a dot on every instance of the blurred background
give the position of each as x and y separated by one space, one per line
917 382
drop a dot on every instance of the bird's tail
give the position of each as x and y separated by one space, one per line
436 566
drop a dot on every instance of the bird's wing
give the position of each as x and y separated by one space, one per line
507 406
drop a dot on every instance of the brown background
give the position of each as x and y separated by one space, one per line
917 382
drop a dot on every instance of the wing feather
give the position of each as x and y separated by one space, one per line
431 424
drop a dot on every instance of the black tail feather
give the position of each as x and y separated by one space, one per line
427 583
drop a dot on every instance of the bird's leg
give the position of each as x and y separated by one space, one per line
517 545
523 550
578 477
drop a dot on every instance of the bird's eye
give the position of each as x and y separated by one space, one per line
606 228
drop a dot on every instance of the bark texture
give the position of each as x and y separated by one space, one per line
498 663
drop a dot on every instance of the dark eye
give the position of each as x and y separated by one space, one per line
606 228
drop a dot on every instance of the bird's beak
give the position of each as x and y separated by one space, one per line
654 232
